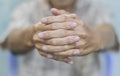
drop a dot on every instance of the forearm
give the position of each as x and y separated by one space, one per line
108 36
19 41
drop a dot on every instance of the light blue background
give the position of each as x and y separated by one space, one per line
7 7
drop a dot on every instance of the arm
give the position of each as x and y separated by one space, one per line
19 34
108 36
19 41
105 27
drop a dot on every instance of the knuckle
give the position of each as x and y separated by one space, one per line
53 26
84 35
34 37
38 46
52 19
61 31
37 26
46 34
37 39
62 17
66 47
84 52
70 39
81 43
67 25
68 33
53 42
65 17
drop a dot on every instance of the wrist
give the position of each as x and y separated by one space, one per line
98 40
29 38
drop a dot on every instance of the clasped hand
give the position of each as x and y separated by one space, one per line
63 35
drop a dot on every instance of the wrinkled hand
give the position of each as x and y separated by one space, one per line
64 36
39 27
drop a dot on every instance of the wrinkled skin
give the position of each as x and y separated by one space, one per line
64 36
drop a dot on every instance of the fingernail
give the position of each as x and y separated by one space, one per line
54 9
73 24
41 35
76 38
73 15
50 56
76 52
71 62
45 48
44 20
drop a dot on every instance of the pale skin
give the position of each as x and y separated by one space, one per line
61 36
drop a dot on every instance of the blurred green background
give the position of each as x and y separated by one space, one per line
7 7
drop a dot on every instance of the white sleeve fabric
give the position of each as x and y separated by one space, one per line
104 14
20 19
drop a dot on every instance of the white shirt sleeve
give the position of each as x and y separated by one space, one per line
20 19
104 14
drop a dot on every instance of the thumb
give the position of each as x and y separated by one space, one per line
58 12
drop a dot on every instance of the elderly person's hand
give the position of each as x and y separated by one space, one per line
40 27
64 36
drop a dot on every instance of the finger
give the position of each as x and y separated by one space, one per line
72 52
50 56
78 21
53 49
67 60
63 41
60 18
63 59
81 43
56 34
38 26
88 49
58 12
37 39
55 26
46 54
